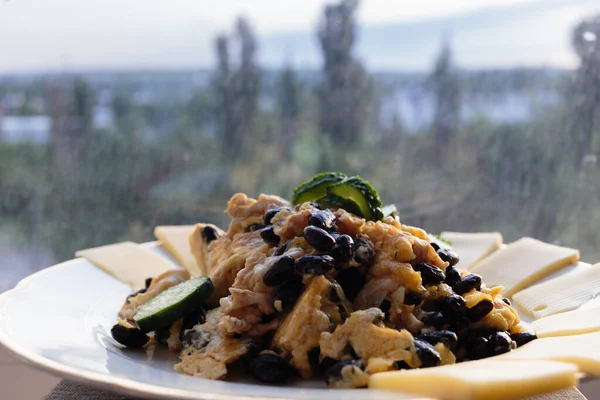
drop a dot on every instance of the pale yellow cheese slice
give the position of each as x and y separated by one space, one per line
176 240
473 247
523 263
560 294
485 379
128 262
581 350
569 323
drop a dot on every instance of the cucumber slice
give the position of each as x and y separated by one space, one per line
316 188
174 303
360 192
333 201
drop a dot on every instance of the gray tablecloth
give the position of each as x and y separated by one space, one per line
73 391
66 390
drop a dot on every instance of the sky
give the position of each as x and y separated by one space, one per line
41 35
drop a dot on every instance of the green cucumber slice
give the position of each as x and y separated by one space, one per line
174 303
333 201
316 188
360 192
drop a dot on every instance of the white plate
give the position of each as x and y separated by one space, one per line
59 319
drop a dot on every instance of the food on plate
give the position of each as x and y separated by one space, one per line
560 294
523 263
332 285
127 262
484 379
176 239
568 323
581 350
473 247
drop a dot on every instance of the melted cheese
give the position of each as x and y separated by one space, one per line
569 323
176 240
561 294
581 350
485 379
128 262
473 247
523 263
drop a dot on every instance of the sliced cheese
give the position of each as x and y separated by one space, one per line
485 379
569 323
523 263
560 294
581 350
128 262
176 240
473 247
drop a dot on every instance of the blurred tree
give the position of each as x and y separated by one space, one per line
237 92
446 87
223 88
585 120
346 91
288 102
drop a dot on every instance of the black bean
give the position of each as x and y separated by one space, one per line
334 373
209 234
480 310
130 337
413 298
449 256
162 334
282 249
314 205
336 293
269 367
473 334
501 343
351 282
428 356
194 318
314 265
268 235
385 307
459 325
469 282
364 251
401 365
454 305
289 293
192 337
350 351
327 362
523 338
142 290
323 219
271 213
435 246
507 301
148 282
280 271
343 250
254 227
253 349
435 319
479 348
452 276
430 274
446 337
319 238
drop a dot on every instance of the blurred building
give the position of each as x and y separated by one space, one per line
30 128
